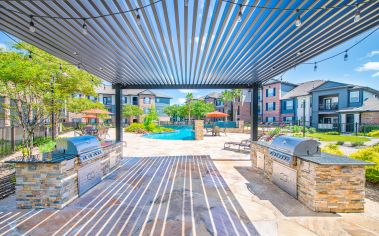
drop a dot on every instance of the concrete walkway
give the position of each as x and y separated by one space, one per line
185 192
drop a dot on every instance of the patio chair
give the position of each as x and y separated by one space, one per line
209 130
216 131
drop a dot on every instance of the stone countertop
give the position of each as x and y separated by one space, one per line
47 158
326 158
329 159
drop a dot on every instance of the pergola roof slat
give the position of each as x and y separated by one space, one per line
201 45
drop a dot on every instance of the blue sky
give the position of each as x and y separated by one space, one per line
362 67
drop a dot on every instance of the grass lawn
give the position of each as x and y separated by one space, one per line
335 138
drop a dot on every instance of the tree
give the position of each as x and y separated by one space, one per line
151 117
39 87
173 111
130 111
62 81
200 108
189 98
226 97
24 83
236 95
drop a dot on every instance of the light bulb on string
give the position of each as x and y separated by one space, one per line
239 17
30 56
32 28
298 20
84 27
357 15
60 67
315 67
186 3
345 57
138 18
79 66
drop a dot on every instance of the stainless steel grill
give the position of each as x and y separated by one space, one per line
285 148
85 147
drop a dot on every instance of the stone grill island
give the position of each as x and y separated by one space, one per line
75 166
323 182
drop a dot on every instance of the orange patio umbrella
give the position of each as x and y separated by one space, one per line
89 116
96 111
216 114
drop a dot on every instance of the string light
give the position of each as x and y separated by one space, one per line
315 67
357 15
79 66
299 52
186 3
239 17
84 27
298 20
30 56
60 67
32 28
345 57
138 18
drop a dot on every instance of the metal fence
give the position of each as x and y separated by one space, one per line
7 180
11 137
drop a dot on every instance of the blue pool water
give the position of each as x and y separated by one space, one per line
180 133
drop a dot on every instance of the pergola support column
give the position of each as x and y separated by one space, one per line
119 132
254 112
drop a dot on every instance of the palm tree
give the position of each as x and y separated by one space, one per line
236 95
226 97
189 98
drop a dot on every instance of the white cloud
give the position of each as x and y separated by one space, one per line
3 46
372 65
373 53
376 74
188 91
181 100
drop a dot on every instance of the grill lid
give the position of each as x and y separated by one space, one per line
295 146
77 145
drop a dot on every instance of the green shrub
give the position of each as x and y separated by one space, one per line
41 140
296 129
47 147
333 133
274 131
311 130
374 133
369 128
357 144
135 128
332 149
370 154
340 143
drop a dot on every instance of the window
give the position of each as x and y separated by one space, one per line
146 110
270 92
146 100
125 99
135 100
354 96
107 100
157 100
270 106
270 119
288 118
289 105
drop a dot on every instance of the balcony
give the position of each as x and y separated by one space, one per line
328 107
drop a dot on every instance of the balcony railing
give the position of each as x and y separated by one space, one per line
328 107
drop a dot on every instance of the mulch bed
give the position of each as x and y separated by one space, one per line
372 191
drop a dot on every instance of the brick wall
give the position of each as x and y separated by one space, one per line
370 117
275 99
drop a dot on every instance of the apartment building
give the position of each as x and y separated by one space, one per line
273 91
144 98
335 103
296 105
214 98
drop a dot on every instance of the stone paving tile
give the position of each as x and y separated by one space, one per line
167 195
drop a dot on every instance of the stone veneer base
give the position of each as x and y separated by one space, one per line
55 185
323 188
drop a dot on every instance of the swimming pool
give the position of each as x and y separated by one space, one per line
180 133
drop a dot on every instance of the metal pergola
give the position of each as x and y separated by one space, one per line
187 43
